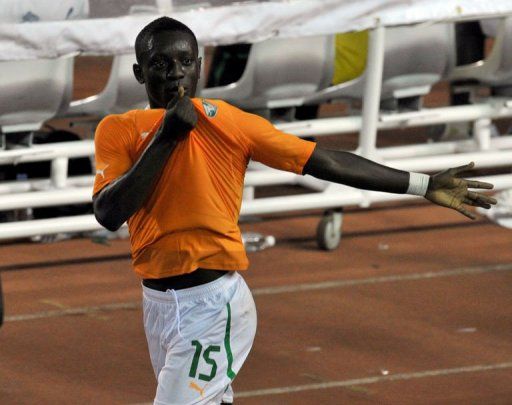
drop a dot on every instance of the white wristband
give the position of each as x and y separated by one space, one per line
418 184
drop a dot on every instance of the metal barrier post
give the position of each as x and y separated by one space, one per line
372 90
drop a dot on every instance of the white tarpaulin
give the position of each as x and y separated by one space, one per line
24 11
245 22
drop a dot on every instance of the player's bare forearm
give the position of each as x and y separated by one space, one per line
119 200
356 171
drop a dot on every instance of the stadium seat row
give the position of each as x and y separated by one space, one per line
415 58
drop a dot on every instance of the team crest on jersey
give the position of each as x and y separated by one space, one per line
209 108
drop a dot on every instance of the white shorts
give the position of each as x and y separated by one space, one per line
198 339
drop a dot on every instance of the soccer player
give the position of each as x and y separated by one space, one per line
175 172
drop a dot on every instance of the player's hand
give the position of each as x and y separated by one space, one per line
449 190
180 117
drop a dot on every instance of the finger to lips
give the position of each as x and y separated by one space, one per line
171 104
181 91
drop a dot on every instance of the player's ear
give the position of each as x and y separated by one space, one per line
137 71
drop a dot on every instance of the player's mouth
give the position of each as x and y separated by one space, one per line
174 90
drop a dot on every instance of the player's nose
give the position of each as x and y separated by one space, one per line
175 71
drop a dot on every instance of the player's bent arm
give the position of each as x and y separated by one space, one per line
356 171
120 199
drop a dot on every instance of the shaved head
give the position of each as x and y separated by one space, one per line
144 40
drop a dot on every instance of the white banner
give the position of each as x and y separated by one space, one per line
251 22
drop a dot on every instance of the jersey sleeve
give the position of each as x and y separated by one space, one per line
271 146
112 151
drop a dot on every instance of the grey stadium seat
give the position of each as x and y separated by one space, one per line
122 92
34 91
293 72
496 69
280 73
415 58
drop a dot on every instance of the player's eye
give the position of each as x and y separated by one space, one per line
187 61
158 64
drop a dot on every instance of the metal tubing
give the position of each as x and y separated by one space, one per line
25 229
248 193
441 115
37 153
312 183
273 205
59 172
343 197
265 177
23 186
372 90
482 133
48 198
442 148
435 163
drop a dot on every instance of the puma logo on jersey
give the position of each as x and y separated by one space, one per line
209 108
196 387
101 172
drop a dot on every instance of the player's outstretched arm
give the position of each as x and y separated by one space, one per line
445 188
120 199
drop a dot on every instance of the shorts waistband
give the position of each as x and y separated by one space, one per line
170 296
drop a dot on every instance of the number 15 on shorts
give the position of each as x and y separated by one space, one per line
206 358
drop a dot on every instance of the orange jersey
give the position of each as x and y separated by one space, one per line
190 219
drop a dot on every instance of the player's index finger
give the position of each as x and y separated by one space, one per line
479 184
181 91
